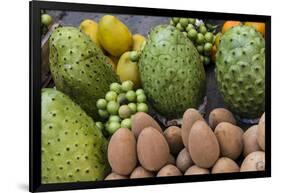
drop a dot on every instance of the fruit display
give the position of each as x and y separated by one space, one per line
119 104
79 68
73 148
240 63
202 35
128 99
149 154
114 36
171 71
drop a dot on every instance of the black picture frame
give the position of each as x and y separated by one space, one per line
35 94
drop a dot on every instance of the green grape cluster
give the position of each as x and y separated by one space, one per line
202 37
118 106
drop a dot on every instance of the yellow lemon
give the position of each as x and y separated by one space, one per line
138 39
114 36
128 70
90 28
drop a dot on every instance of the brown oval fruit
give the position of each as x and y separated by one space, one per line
219 115
114 176
250 140
122 155
261 132
142 120
184 160
169 170
152 149
173 137
225 165
190 116
195 170
140 172
203 145
230 139
255 161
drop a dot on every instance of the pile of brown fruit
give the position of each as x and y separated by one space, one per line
198 147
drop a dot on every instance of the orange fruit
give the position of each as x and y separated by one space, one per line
260 27
229 24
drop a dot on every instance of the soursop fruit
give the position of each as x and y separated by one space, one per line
73 148
79 68
240 71
171 72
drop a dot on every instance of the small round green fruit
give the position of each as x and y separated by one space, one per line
209 37
127 85
124 111
101 104
200 38
202 29
192 34
112 107
114 118
103 113
111 96
126 123
183 22
133 107
139 91
46 19
208 47
142 107
189 27
113 127
116 87
131 96
141 98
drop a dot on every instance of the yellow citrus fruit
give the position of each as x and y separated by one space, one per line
128 70
114 36
229 24
260 27
90 28
138 39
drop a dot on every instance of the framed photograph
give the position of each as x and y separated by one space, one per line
128 96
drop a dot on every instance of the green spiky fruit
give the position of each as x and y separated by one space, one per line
240 71
79 68
171 71
73 148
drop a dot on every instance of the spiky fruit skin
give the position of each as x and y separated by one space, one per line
171 71
73 148
240 71
79 68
